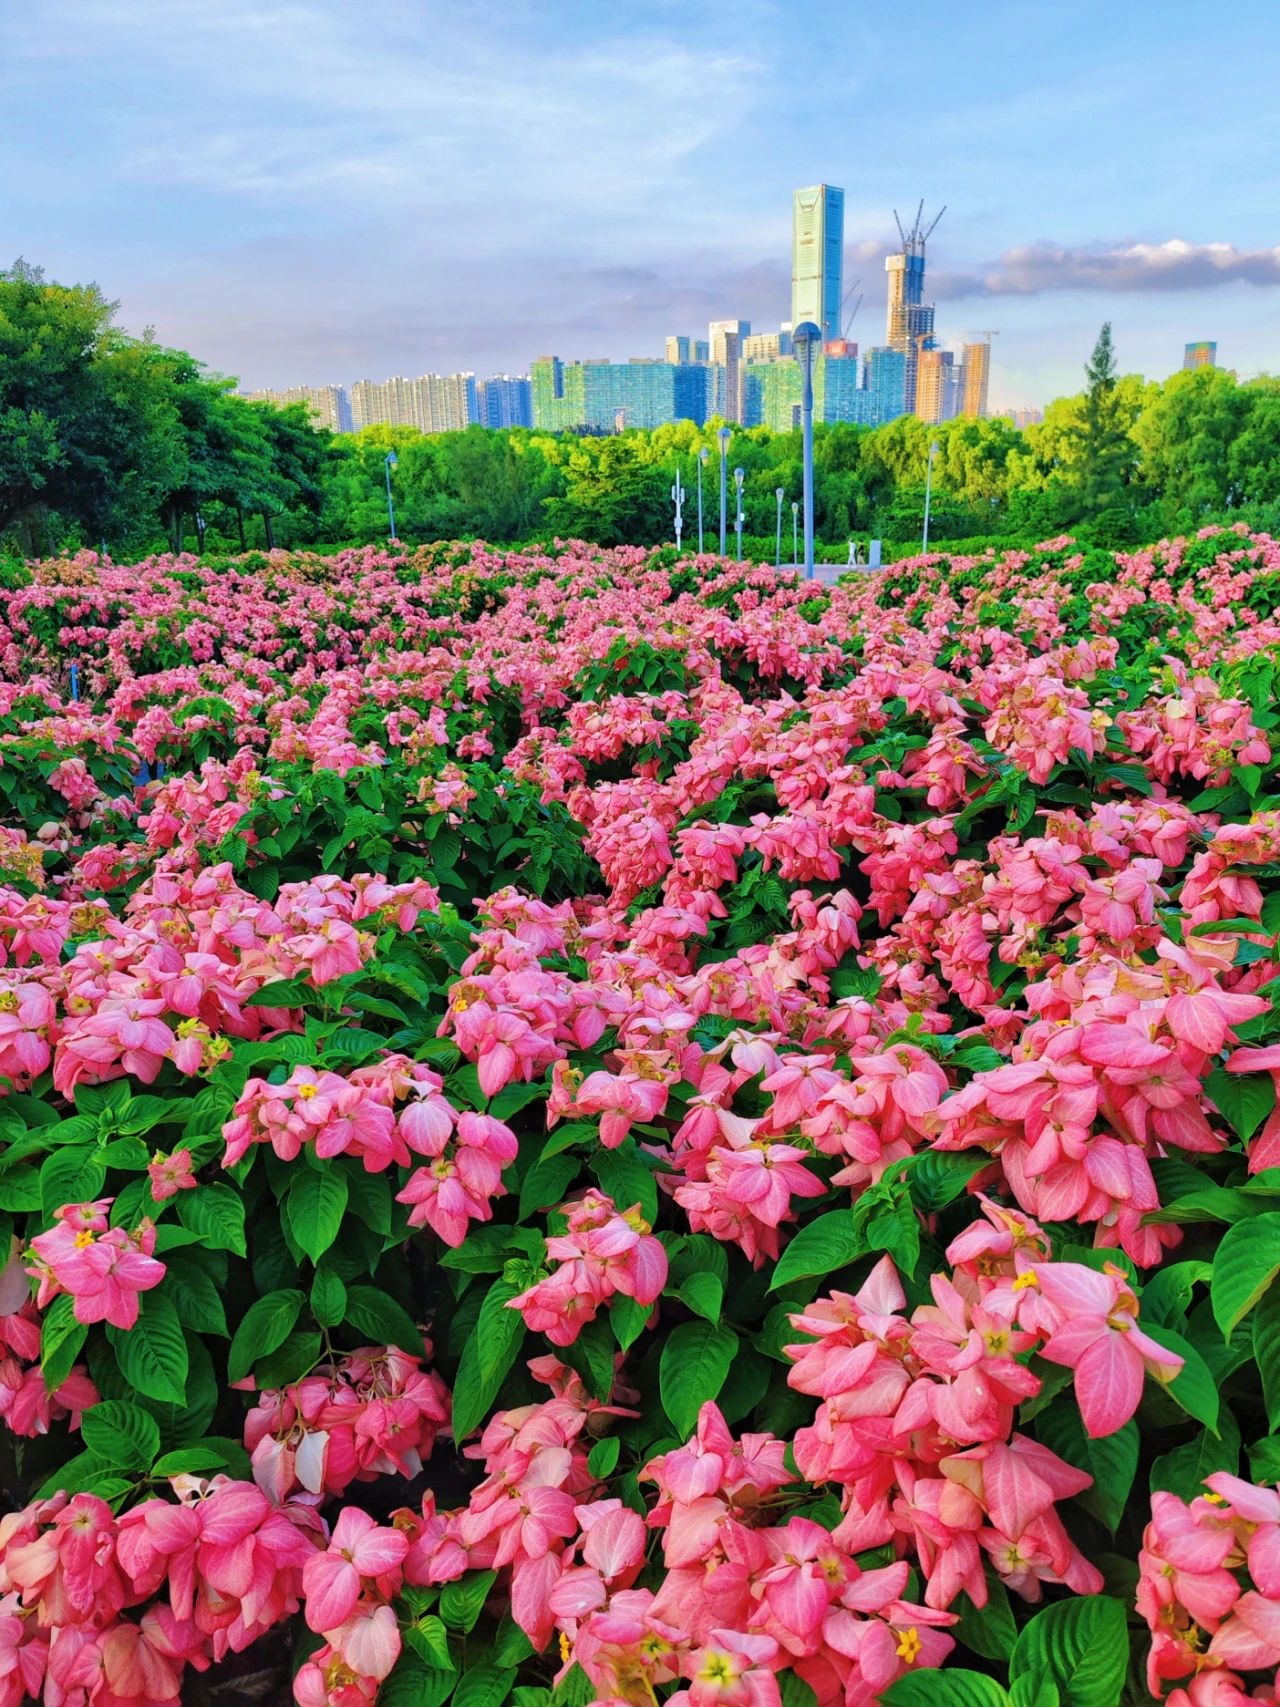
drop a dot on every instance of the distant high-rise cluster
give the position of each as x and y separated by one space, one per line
329 405
1200 355
433 403
743 376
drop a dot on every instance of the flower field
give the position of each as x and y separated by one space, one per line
589 1128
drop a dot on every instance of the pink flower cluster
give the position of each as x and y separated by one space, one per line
916 1414
602 1253
104 1268
1209 1589
373 1412
229 1563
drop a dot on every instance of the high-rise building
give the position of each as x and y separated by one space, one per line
328 405
977 372
682 350
935 386
910 317
1200 355
885 381
768 346
726 338
817 257
433 403
504 401
601 396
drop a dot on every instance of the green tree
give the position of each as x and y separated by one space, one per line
89 438
1105 454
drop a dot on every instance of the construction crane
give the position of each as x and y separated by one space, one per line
987 332
857 305
913 241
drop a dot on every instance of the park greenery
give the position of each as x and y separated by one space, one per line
106 438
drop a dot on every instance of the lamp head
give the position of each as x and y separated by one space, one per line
778 493
933 447
739 474
392 459
806 341
704 455
724 435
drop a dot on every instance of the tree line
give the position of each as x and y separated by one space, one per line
117 440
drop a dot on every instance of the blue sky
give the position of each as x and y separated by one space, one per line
310 190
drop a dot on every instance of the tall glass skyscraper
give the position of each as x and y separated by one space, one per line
817 257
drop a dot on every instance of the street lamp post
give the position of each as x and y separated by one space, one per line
703 456
739 475
795 534
677 496
806 340
389 462
928 493
777 556
724 435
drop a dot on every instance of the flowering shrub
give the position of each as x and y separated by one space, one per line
589 1128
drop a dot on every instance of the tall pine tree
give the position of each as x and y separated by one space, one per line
1105 454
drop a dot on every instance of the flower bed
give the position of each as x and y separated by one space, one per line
588 1128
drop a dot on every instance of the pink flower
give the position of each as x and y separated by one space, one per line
332 1581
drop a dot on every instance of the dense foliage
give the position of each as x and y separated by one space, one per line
109 439
579 1127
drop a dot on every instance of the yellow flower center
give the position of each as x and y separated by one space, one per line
566 1649
306 1092
909 1645
83 1239
1027 1278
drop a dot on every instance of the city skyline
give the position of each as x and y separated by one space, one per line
293 195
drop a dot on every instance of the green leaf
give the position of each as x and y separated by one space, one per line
216 1212
1193 1387
988 1630
1033 1692
121 1434
413 1684
61 1341
376 1314
950 1688
602 1460
429 1639
1246 1263
703 1294
628 1320
70 1175
153 1353
1183 1470
1167 1295
265 1327
329 1298
1112 1461
484 1685
592 1355
291 1361
1266 1351
1081 1646
695 1361
205 1458
488 1355
564 1137
198 1300
544 1185
315 1206
1243 1099
830 1242
626 1179
462 1602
